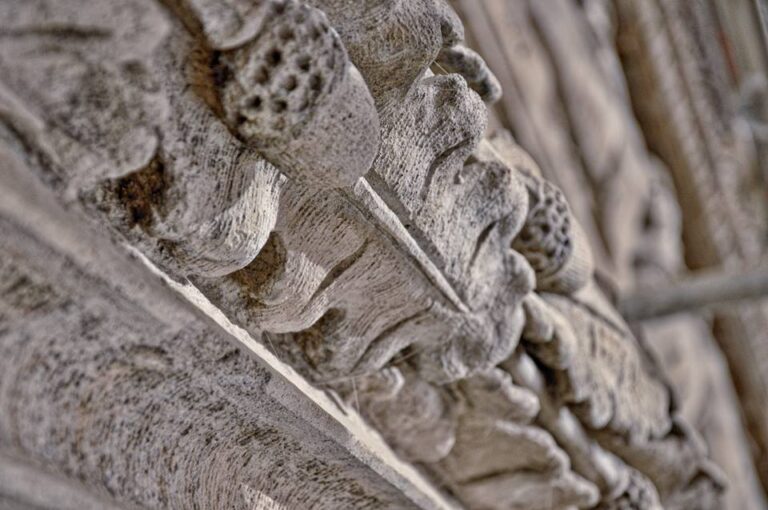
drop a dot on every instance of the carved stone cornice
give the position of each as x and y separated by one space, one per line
330 194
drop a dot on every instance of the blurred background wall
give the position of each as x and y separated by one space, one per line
651 116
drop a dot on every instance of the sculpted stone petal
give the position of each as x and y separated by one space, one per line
393 42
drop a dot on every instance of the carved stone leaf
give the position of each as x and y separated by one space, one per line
606 382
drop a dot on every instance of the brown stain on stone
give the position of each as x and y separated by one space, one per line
258 277
141 193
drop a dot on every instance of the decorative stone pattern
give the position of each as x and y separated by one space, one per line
147 415
122 388
310 171
629 209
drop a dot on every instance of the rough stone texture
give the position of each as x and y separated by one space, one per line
123 389
310 173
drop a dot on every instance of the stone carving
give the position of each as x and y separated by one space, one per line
462 60
553 244
330 193
291 92
625 207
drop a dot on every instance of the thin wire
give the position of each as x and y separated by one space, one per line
269 340
437 64
354 391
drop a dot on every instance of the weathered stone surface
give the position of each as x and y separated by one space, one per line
315 179
628 206
146 397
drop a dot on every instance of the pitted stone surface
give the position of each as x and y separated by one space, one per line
329 194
